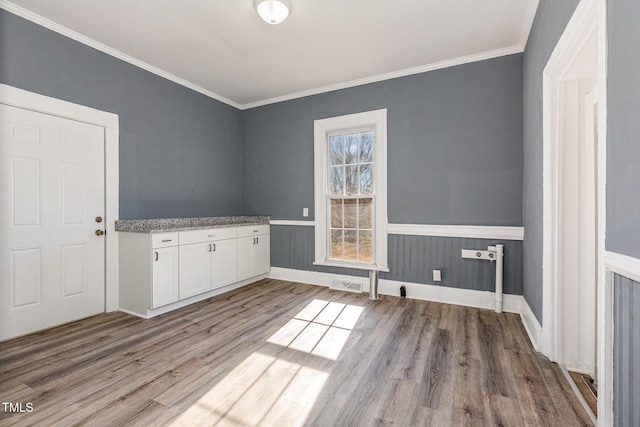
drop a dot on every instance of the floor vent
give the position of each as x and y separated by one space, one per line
341 285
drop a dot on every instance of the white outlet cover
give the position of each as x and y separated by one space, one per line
305 211
437 276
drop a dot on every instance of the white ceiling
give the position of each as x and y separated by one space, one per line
223 49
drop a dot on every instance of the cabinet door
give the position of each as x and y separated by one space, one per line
165 276
261 255
224 262
245 257
195 269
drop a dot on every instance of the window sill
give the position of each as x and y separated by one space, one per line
351 265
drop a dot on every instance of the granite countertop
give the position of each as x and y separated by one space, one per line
183 224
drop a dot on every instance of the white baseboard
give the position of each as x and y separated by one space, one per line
443 294
183 303
531 324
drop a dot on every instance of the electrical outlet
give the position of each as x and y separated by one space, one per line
305 212
437 276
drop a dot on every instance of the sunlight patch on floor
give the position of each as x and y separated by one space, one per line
270 390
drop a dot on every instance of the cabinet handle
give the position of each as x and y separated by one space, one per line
256 231
166 240
214 247
257 240
211 235
209 247
155 254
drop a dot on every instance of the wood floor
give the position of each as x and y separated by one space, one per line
283 354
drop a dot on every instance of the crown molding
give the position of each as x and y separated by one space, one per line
60 29
392 75
530 16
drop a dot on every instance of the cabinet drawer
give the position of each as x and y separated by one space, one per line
253 230
163 240
208 235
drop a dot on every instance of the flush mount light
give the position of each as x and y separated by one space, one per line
273 11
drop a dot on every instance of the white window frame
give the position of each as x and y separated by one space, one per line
377 120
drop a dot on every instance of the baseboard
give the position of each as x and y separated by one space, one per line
447 295
183 303
531 324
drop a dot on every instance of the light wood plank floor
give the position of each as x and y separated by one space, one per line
283 354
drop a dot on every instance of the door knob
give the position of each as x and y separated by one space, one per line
98 219
99 233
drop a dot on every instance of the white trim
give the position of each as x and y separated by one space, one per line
61 29
443 294
35 102
589 18
293 223
623 265
392 75
528 23
578 394
531 324
378 120
468 231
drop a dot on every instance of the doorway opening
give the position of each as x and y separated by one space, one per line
573 197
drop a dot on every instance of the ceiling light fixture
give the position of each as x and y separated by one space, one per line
273 11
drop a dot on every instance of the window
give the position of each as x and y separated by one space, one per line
350 191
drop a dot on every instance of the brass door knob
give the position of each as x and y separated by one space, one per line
99 233
98 219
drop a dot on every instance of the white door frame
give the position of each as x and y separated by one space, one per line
589 19
20 98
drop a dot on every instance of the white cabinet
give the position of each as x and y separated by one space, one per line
160 271
148 271
207 260
253 251
164 276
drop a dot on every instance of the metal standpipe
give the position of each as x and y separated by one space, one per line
373 285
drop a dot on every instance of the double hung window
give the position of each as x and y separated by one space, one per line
350 187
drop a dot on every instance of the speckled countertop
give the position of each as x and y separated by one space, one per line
183 224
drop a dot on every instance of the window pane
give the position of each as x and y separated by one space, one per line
336 213
366 246
336 244
350 213
366 147
351 180
366 213
351 245
351 148
336 180
336 150
366 179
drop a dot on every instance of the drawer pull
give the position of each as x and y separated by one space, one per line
166 240
156 256
211 235
256 231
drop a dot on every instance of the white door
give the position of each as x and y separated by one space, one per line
52 266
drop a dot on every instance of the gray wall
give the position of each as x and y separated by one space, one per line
454 146
623 139
626 352
454 157
551 19
180 151
411 259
